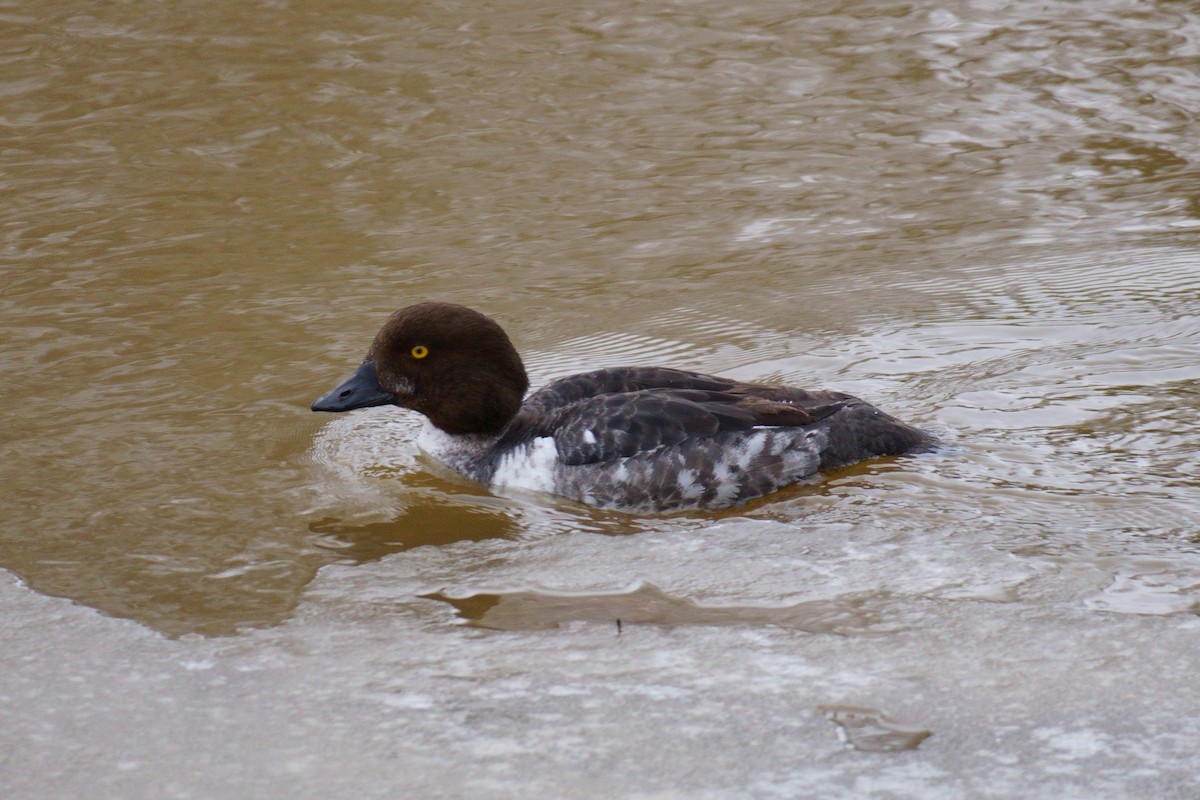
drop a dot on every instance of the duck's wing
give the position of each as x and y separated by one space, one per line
620 425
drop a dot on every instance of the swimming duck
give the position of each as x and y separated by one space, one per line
639 439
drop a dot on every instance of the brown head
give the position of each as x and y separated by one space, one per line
452 364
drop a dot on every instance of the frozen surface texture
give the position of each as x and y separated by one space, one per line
368 692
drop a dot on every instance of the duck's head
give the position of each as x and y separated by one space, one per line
452 364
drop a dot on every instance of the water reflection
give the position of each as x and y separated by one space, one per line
424 520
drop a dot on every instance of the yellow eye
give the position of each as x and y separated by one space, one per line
420 351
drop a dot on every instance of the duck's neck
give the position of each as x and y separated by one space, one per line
468 453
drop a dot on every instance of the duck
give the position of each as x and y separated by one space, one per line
633 439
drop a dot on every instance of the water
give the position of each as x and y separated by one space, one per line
980 217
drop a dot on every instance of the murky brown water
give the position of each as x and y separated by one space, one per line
984 217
